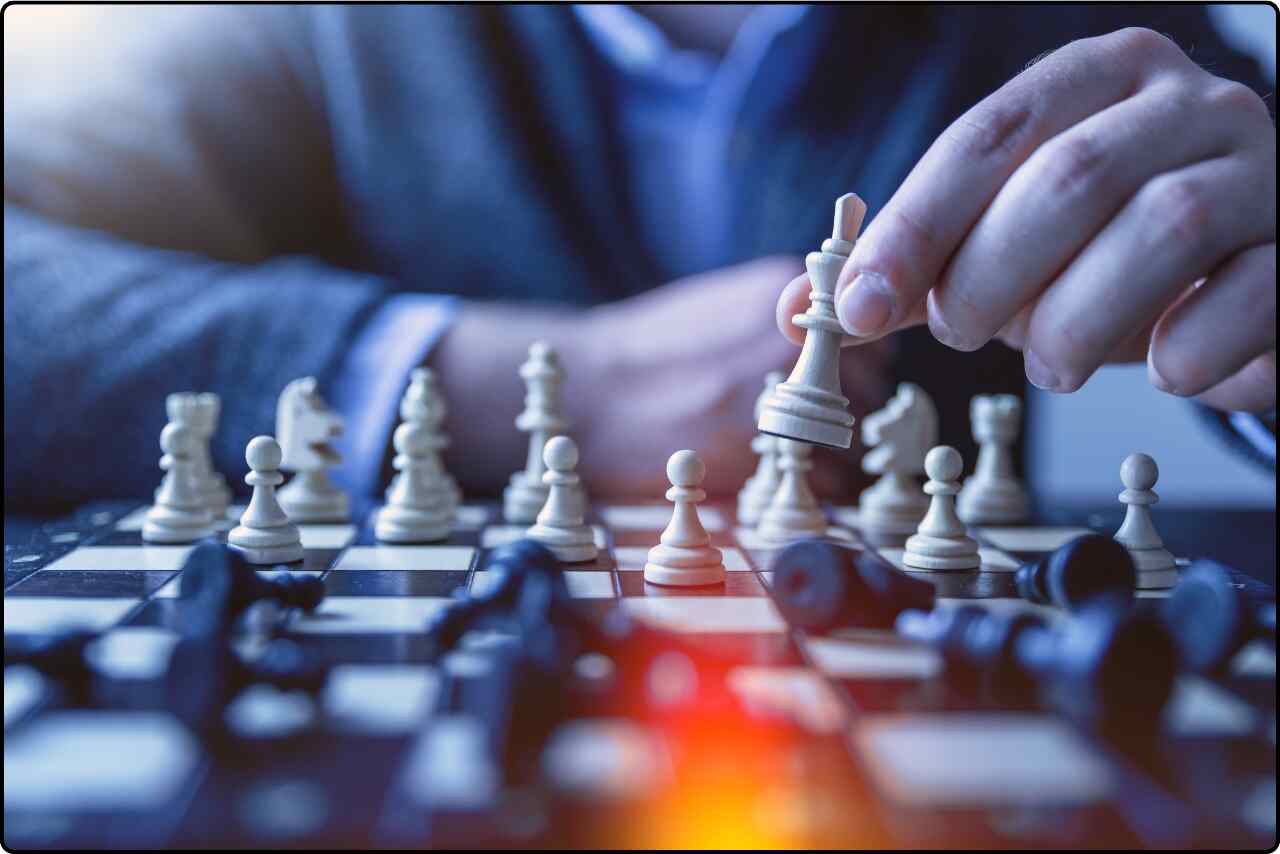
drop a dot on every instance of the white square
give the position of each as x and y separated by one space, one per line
97 761
872 655
39 614
326 536
425 558
749 539
582 584
1200 708
133 520
383 699
499 535
655 517
369 615
99 558
981 760
1032 539
635 557
708 614
133 652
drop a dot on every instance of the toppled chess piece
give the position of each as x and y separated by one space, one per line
1156 566
1212 618
758 491
684 557
1074 573
265 535
810 405
419 509
820 585
181 513
899 436
305 426
994 495
541 419
941 542
218 574
561 524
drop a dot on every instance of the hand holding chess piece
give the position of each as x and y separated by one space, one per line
684 557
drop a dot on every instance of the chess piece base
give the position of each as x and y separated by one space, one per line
270 554
168 525
926 552
786 526
569 546
306 500
412 525
522 501
834 429
673 566
992 504
1157 579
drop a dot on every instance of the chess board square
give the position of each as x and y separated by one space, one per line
368 615
981 760
499 535
409 558
632 583
635 557
752 541
39 614
133 520
797 694
866 654
1038 539
84 583
654 517
1200 708
582 584
382 699
24 688
137 558
326 536
708 615
606 759
133 652
394 582
97 761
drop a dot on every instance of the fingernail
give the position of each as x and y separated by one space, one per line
1154 377
944 333
1038 372
866 305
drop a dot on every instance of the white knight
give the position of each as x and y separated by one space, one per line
305 426
899 435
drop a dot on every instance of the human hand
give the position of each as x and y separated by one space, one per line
1069 214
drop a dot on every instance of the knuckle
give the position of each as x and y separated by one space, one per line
1235 98
1144 46
991 128
1071 164
1174 209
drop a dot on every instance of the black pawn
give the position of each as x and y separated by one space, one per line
1071 575
220 577
1211 617
820 585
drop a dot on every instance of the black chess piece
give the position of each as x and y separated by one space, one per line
820 585
1074 573
1212 618
59 657
215 571
1106 666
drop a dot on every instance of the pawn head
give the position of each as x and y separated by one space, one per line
176 438
263 453
686 468
560 454
943 463
1139 471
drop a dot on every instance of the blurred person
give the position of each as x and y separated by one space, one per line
226 198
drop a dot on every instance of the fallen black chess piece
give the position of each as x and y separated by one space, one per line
1073 574
1212 618
820 585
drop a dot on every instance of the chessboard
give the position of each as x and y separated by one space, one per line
848 740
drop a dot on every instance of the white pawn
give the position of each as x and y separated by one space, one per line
541 419
1155 564
758 491
265 535
941 542
793 513
419 509
561 525
180 514
684 557
994 495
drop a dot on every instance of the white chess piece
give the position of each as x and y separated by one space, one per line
305 426
941 542
994 495
179 514
793 513
758 491
684 556
541 419
561 525
265 535
419 509
424 404
810 405
1155 564
899 435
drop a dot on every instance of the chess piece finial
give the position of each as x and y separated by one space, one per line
684 556
941 542
898 435
265 535
306 427
994 495
418 509
793 513
180 514
759 488
561 524
1156 566
810 406
542 418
